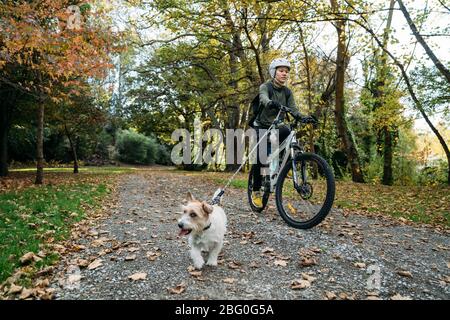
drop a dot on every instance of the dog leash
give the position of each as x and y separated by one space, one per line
219 192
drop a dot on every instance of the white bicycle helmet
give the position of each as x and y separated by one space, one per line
279 62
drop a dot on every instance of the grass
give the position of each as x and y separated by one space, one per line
105 170
427 204
29 217
32 216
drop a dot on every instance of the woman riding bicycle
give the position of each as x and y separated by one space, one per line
272 95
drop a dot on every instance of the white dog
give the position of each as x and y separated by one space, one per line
206 227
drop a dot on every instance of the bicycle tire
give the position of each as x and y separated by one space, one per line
329 198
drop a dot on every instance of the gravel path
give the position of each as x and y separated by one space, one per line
346 257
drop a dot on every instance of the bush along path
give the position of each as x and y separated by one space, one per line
134 252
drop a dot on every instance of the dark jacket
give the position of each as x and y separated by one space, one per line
267 115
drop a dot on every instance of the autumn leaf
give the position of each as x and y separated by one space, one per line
195 273
268 250
138 276
14 289
179 289
234 265
306 276
130 257
400 297
299 284
42 283
281 263
82 263
229 280
152 256
29 257
360 265
404 273
26 293
329 295
307 262
95 264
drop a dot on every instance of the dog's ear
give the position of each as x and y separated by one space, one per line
189 196
207 208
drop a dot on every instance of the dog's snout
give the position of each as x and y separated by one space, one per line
180 224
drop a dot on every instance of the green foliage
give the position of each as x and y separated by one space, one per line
133 147
433 174
104 141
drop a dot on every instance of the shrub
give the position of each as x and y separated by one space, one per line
131 147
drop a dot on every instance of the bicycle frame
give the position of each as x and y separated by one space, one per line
287 145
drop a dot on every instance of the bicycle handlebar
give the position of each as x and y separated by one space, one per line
304 120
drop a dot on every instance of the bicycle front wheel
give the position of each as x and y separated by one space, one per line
305 203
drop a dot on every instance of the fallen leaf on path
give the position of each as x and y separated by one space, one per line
234 265
281 263
373 298
73 278
229 280
268 250
360 265
330 295
29 257
405 273
307 262
152 256
195 273
26 293
99 242
95 264
178 289
298 284
15 289
130 257
308 277
398 296
138 276
42 283
82 263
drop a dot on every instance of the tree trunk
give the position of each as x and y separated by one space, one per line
379 94
40 145
3 150
308 87
445 72
74 150
7 108
341 123
388 178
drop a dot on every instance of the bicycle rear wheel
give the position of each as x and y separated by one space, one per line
307 203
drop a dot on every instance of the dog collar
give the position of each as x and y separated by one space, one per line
206 228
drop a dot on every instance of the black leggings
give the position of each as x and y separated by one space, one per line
283 132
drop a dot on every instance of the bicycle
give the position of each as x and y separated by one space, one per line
302 204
